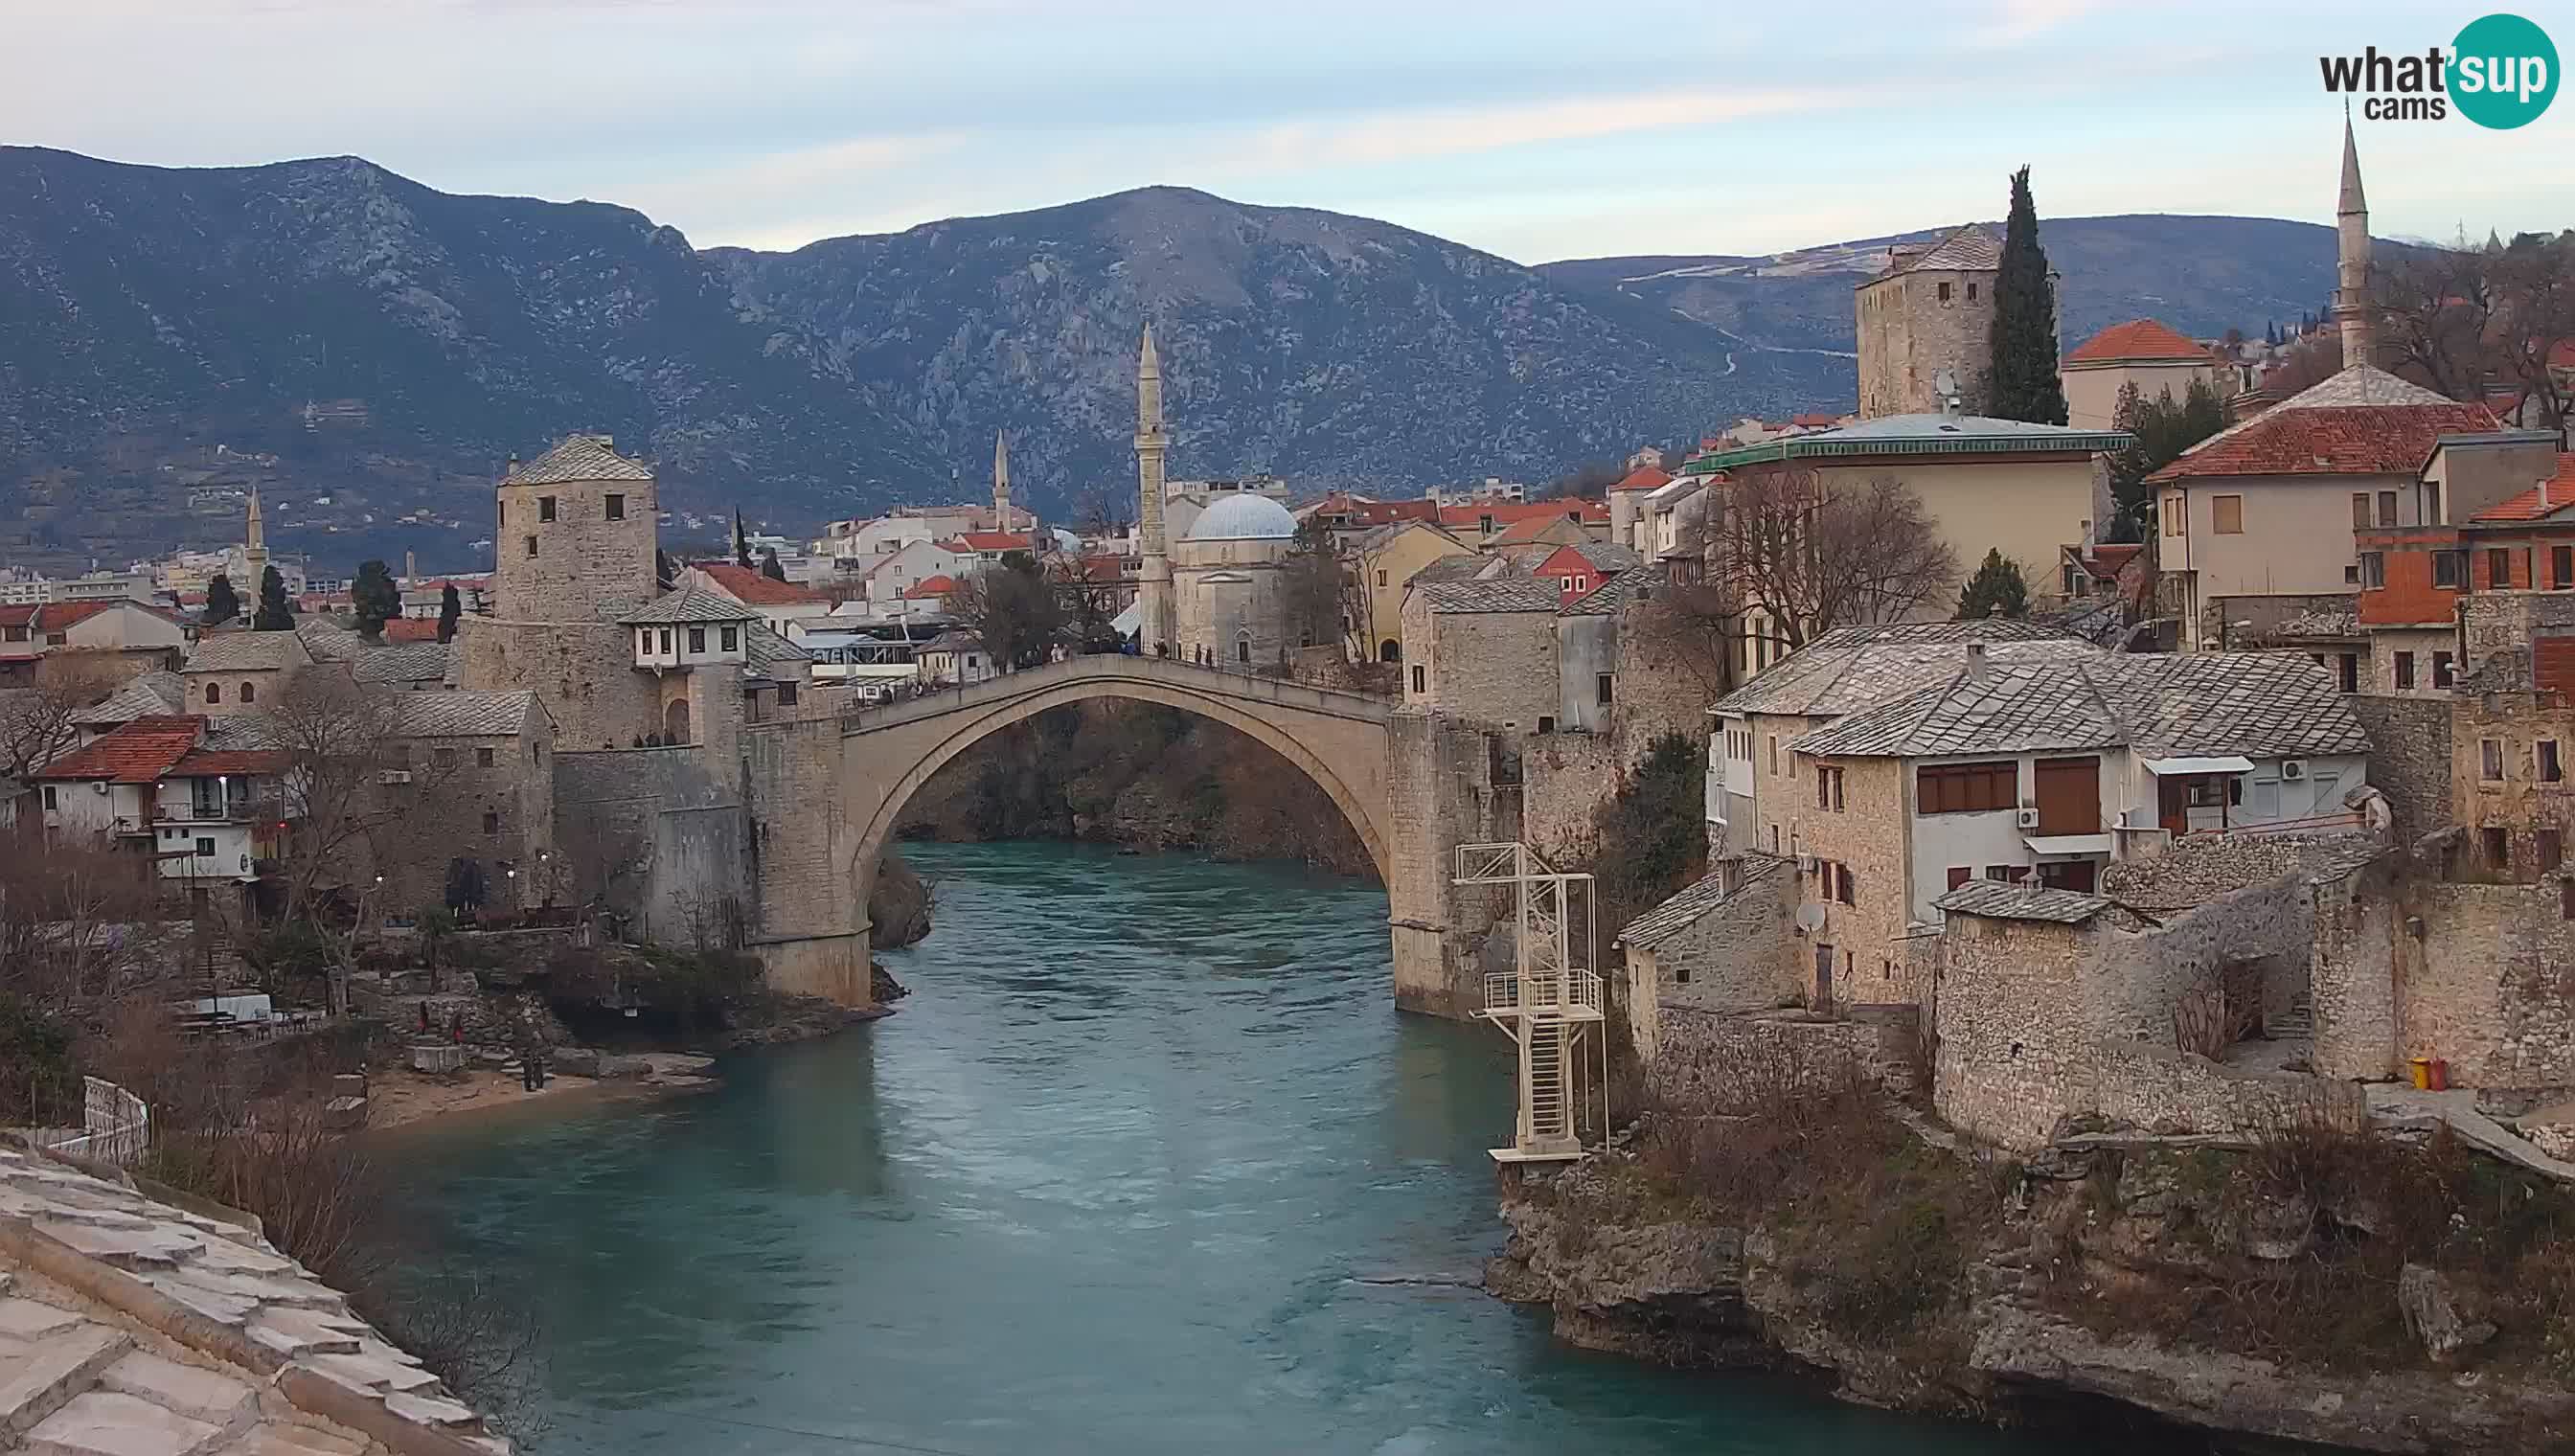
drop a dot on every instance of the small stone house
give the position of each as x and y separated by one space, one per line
1699 949
240 672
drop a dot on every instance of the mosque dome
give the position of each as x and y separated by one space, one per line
1245 518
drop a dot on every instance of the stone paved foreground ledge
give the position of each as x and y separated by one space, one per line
131 1327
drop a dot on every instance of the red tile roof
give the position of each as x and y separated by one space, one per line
939 585
747 586
411 630
1512 513
2547 499
2137 339
20 615
1532 528
211 762
1386 512
1814 421
2348 440
141 752
983 541
1644 477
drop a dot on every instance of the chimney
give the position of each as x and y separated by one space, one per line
411 566
1976 661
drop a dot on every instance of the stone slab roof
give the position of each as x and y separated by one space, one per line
248 651
464 714
577 457
131 1325
2200 868
690 605
1606 555
1619 590
1854 667
146 694
1968 249
1498 594
1996 901
1463 566
329 641
1684 910
419 662
767 654
2258 704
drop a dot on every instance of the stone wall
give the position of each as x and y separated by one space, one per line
583 561
1445 794
584 673
1494 667
452 791
653 834
1714 1063
2352 977
1870 834
1908 334
2521 801
2162 1089
2014 1039
1735 958
1563 778
811 920
2409 758
2490 986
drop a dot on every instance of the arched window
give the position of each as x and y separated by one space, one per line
250 693
1390 651
214 693
1243 648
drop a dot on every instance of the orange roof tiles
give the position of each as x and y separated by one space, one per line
2361 440
983 541
939 585
141 752
2137 339
215 762
2540 501
1644 477
747 586
411 630
1512 513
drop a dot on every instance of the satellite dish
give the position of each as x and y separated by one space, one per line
1946 382
1810 918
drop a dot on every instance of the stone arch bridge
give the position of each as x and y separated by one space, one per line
825 793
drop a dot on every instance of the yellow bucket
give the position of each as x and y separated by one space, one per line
2421 1069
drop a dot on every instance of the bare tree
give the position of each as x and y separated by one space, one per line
343 785
1698 626
1314 588
1105 512
2437 316
2310 362
73 912
1810 553
1013 609
2536 279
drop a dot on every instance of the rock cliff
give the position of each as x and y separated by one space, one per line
2187 1294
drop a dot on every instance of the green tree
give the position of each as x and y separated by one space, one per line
2024 384
275 614
378 599
222 603
741 543
769 566
2164 427
1996 589
450 609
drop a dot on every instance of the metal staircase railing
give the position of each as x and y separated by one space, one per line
1549 1002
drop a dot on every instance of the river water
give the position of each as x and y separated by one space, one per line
1122 1177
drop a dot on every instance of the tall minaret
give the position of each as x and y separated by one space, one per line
1154 628
254 545
2352 307
1001 481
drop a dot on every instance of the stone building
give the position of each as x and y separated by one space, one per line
239 672
1691 950
1482 650
1227 577
2498 515
1384 559
1931 312
477 780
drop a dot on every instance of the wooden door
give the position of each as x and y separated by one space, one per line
2069 795
2173 805
1824 977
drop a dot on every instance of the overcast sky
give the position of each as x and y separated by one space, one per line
1537 131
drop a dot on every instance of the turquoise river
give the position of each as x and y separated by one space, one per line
1127 1173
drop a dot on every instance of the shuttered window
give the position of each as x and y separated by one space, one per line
1942 789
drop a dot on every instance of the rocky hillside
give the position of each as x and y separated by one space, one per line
162 333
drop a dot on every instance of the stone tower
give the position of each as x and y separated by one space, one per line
576 534
1155 624
575 540
2352 307
1932 309
1001 481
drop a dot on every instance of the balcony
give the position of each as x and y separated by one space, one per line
1572 996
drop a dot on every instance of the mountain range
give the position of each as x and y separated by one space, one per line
367 350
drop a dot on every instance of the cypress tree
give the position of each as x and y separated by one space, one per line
275 613
741 543
376 597
222 603
2023 345
769 566
1996 589
449 610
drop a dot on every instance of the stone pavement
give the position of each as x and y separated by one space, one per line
2394 1104
130 1327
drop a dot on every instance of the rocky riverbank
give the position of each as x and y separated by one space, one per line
2314 1291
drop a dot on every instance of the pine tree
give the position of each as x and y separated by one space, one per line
2024 384
376 597
450 609
1996 589
741 543
769 566
2272 332
275 613
222 603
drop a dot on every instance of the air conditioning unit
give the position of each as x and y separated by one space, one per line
394 775
2293 770
2027 818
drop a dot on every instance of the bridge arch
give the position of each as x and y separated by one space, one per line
958 722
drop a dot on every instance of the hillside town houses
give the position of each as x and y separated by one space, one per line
2265 807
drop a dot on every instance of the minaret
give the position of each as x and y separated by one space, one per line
1001 481
2352 307
254 545
1155 627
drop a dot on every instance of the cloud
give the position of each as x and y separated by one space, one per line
1419 134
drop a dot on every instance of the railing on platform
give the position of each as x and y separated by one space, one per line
1571 994
116 1126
